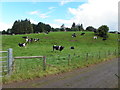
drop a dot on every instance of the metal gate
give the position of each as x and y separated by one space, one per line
6 61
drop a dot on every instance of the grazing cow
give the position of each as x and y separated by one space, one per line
25 37
95 37
82 33
22 44
60 48
104 39
36 39
27 40
73 35
72 48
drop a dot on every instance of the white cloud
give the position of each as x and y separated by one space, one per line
54 25
95 13
43 16
33 21
65 2
5 26
33 13
40 14
50 8
67 23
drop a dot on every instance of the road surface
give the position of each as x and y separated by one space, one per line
102 75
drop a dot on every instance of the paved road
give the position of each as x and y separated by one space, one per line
101 75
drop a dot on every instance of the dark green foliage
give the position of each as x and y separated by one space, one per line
4 32
102 31
40 27
22 27
68 29
80 27
73 25
90 28
25 27
35 28
62 27
77 27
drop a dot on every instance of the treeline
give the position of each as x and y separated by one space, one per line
26 27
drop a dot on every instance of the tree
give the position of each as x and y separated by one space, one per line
9 31
102 31
80 27
22 27
34 28
47 28
4 32
90 28
62 28
73 25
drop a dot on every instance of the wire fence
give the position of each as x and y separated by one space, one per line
35 65
70 59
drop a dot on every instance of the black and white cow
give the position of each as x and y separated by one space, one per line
95 37
36 39
73 35
60 48
25 37
22 44
82 33
28 40
72 48
104 39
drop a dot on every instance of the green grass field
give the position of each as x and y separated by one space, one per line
87 51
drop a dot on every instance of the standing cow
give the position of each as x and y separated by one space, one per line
95 37
73 35
60 48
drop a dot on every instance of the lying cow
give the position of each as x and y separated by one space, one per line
82 33
95 37
36 39
25 37
104 39
73 35
22 44
60 48
72 48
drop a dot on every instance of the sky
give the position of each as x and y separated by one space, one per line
57 12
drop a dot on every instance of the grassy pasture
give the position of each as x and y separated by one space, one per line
98 50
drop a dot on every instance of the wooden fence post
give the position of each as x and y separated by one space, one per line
10 60
44 63
115 51
105 54
99 55
86 56
68 59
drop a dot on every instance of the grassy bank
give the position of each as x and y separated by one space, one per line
87 51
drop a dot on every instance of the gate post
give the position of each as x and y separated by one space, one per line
44 63
10 60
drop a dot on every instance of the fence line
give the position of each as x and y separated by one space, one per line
68 58
29 57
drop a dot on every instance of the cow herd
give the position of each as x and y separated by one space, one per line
74 35
55 47
28 40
